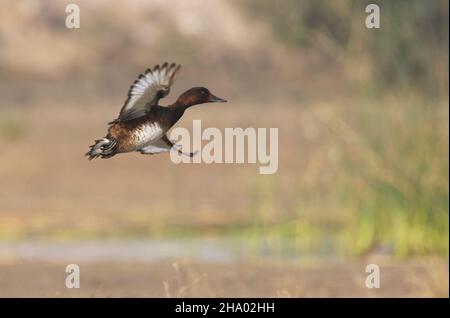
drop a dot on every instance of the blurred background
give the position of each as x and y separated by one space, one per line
363 119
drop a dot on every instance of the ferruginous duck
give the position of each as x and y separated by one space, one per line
142 124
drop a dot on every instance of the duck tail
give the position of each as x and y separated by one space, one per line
104 148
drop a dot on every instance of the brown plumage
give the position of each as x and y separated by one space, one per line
142 124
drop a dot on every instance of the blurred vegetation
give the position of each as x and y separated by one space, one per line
409 51
393 171
12 126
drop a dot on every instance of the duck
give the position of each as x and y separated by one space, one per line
142 124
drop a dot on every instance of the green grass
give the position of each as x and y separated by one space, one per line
390 185
390 177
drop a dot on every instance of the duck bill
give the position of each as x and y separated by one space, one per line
215 99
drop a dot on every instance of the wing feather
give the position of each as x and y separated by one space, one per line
147 90
161 145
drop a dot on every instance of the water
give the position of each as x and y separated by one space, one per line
148 250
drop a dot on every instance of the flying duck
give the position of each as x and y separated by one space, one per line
142 124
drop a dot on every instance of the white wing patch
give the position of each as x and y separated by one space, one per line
164 145
156 147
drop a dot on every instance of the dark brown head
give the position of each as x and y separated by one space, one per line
198 95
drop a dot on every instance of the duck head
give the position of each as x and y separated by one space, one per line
198 95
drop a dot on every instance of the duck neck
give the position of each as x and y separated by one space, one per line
177 109
182 106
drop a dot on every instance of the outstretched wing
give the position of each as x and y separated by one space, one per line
146 91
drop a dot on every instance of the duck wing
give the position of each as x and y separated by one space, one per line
147 90
163 145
